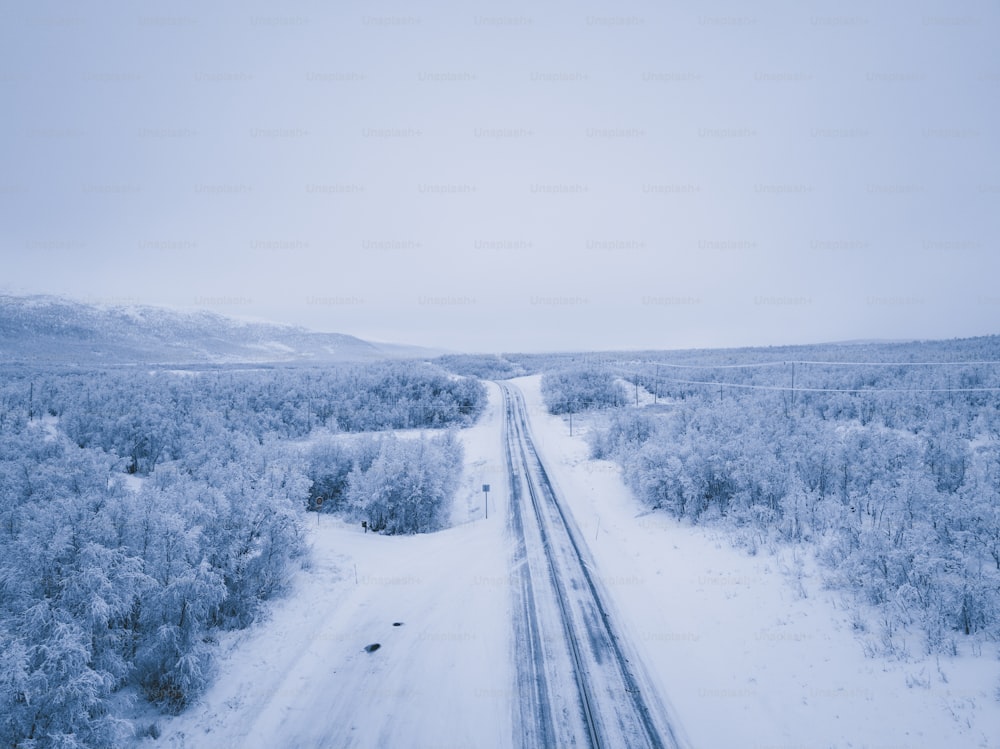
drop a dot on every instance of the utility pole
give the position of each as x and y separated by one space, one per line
793 384
790 400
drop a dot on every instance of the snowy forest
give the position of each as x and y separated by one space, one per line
888 471
143 511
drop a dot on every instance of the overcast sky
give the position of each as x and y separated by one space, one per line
503 176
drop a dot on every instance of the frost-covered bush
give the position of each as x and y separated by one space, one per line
580 388
898 491
329 463
484 366
626 431
407 487
103 588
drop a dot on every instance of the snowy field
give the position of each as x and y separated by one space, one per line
746 653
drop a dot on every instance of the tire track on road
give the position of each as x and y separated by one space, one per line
560 604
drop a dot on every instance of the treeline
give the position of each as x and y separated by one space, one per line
508 365
897 487
483 366
143 511
572 390
133 415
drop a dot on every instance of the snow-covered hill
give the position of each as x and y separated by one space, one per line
52 330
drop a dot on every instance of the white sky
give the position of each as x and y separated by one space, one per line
532 176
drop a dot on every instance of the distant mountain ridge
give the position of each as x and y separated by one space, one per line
54 330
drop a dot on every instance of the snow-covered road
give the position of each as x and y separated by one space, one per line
579 684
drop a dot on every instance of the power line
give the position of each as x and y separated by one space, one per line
895 363
786 362
720 366
799 389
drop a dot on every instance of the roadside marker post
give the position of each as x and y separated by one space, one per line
486 491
